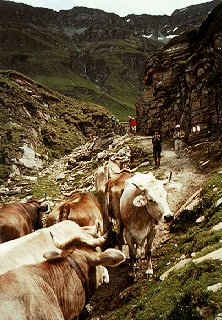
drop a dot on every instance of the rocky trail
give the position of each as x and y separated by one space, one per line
188 182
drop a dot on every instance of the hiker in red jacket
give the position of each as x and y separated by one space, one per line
133 125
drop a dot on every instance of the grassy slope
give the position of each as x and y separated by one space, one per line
84 90
48 58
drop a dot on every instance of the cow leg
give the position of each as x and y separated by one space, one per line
119 224
102 199
148 250
120 229
132 255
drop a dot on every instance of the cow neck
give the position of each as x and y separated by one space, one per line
153 220
81 276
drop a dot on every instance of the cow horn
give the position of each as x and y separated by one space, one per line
50 254
140 188
105 236
79 241
51 235
170 176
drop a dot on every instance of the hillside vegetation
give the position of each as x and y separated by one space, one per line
48 123
95 61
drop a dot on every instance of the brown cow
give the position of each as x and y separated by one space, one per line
82 207
114 190
142 205
107 171
18 219
59 287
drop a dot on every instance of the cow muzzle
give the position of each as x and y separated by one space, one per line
168 217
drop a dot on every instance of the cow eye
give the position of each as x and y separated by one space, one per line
151 200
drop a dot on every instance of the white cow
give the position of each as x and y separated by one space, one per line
29 249
142 205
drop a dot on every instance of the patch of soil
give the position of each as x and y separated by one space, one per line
108 296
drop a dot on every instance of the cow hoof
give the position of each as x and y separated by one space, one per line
149 274
149 277
131 278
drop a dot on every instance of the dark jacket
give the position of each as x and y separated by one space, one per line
157 144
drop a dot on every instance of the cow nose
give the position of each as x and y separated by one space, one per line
168 217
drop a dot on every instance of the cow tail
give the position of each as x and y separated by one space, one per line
64 212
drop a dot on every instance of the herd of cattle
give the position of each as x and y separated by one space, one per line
51 272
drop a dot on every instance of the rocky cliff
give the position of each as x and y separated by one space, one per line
182 82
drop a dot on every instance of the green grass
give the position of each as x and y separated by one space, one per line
52 123
64 82
44 187
121 105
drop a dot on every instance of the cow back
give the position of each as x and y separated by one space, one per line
30 248
82 208
15 222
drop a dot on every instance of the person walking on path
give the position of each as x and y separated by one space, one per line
130 126
157 148
178 136
133 125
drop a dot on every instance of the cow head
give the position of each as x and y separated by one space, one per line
152 195
39 208
84 248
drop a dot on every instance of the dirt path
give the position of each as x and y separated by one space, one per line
189 180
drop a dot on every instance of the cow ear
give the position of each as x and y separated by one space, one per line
50 255
78 240
139 201
108 258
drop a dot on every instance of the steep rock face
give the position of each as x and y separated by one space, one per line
182 82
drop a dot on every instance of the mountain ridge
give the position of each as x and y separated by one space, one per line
85 53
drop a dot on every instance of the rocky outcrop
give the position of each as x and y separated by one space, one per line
166 27
182 83
38 124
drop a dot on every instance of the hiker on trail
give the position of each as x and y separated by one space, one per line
133 125
130 120
157 148
178 136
